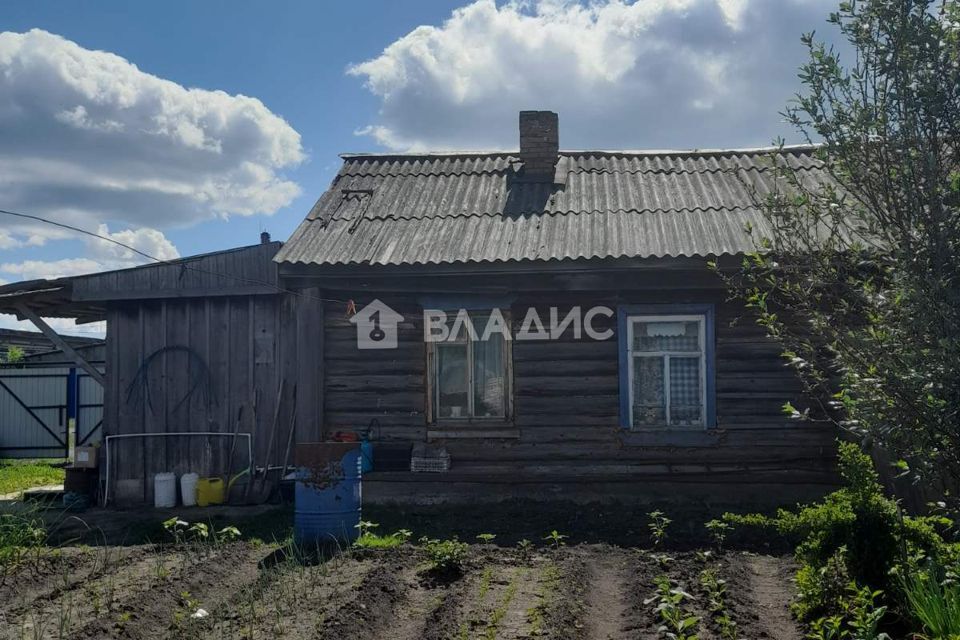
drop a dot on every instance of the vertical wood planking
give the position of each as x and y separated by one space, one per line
125 454
178 331
265 373
310 331
201 448
287 360
239 388
153 412
221 412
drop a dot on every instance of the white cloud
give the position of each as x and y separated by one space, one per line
49 269
102 255
148 241
65 326
622 74
86 137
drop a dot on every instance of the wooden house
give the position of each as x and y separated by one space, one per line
673 393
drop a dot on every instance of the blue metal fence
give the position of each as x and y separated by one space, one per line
36 405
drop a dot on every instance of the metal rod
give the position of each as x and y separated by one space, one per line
293 428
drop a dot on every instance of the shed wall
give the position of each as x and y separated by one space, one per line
247 344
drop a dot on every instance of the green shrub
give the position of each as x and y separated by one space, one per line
854 534
821 588
445 556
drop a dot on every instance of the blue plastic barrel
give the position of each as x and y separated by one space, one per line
327 494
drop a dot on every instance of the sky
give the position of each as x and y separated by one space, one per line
186 127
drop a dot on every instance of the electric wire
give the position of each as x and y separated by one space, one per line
175 261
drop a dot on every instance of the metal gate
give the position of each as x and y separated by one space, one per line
36 405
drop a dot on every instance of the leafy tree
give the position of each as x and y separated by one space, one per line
858 276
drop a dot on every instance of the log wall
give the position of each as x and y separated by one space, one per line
565 435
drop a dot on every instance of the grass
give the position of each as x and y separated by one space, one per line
17 475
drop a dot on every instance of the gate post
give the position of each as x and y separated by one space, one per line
73 411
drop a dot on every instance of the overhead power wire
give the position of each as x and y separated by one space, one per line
176 261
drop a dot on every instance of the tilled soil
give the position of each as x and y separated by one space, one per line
583 592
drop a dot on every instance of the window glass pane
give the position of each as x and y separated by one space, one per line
666 335
489 377
648 394
452 380
464 327
685 406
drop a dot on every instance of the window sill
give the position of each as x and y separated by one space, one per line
687 436
666 429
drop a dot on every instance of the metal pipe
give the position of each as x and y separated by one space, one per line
157 434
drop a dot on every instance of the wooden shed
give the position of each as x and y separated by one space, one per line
189 344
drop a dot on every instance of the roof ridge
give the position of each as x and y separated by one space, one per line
568 212
506 261
572 170
570 152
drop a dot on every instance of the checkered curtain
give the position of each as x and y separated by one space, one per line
685 390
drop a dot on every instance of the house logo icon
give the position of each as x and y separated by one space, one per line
376 326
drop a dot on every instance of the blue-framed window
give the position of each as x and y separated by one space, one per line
667 356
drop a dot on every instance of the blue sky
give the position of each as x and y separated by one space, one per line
153 156
294 60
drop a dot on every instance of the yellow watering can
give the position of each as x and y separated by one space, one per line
214 490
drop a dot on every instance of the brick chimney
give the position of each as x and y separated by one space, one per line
264 237
539 144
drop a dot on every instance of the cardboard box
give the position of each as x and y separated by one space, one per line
85 457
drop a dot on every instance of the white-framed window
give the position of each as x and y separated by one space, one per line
667 361
470 376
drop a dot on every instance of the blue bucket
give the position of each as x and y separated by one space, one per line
327 496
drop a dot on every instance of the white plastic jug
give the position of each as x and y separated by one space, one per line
164 490
188 489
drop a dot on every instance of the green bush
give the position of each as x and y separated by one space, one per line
446 556
854 534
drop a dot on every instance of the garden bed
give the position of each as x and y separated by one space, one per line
253 590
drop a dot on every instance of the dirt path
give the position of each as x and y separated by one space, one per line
378 596
771 590
418 608
521 596
606 606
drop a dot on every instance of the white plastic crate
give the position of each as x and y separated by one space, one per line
428 459
435 464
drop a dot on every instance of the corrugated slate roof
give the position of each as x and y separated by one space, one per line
452 208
